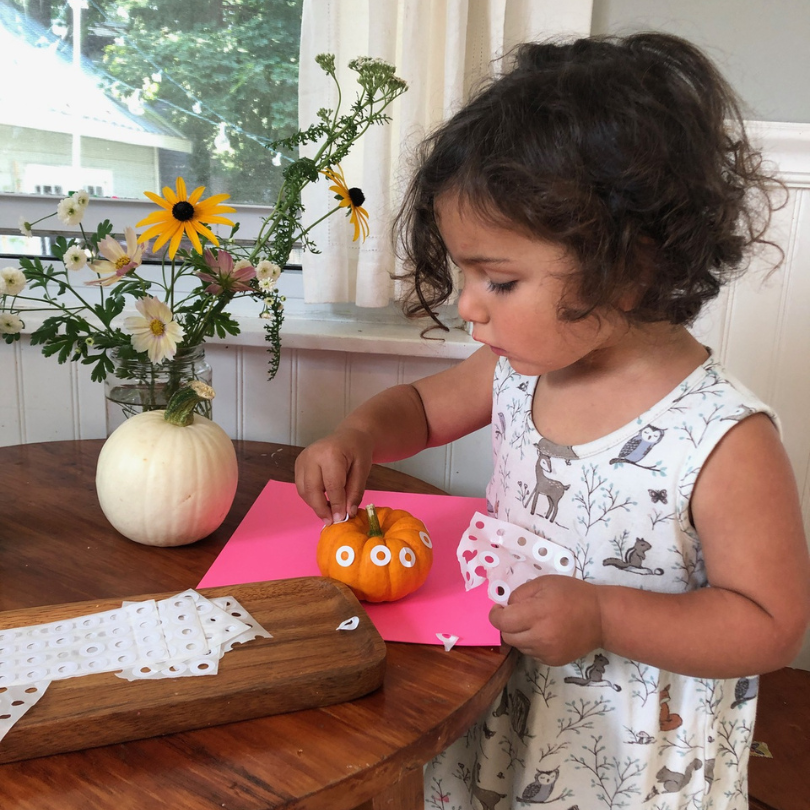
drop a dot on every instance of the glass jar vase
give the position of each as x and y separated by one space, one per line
139 385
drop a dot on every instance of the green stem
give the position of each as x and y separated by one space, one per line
374 529
180 410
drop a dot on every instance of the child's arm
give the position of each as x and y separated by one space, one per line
397 423
752 617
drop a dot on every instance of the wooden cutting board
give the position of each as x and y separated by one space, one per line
308 663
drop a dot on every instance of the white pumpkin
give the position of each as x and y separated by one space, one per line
168 478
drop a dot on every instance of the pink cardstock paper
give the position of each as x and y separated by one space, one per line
278 537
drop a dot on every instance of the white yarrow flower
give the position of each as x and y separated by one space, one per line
69 211
266 269
75 258
267 285
81 198
25 227
10 324
14 280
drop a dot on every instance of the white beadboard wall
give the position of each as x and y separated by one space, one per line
760 328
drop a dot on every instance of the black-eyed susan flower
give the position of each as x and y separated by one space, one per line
184 213
351 198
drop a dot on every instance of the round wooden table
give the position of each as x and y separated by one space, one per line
56 546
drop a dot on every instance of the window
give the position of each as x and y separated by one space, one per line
118 96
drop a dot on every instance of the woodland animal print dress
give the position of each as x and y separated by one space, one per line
604 731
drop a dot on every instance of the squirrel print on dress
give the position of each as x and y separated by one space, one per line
672 781
550 487
633 560
595 674
636 449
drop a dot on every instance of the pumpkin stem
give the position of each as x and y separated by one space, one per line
180 409
374 529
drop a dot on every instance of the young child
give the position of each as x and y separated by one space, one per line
594 198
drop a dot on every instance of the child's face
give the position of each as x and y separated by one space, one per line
513 286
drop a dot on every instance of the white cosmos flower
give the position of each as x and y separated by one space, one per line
69 211
25 227
266 285
75 258
266 269
14 280
81 198
156 332
10 324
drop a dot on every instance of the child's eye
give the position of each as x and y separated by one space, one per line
502 287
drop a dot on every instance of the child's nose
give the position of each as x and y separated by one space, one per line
470 305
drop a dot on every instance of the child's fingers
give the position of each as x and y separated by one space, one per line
355 487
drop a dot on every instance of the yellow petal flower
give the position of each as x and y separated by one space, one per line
351 198
184 214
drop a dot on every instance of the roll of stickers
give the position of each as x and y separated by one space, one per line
505 556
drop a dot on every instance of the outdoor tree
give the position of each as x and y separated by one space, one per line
224 73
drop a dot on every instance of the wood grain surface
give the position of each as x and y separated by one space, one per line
308 663
56 546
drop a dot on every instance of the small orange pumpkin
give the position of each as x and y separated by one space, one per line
382 554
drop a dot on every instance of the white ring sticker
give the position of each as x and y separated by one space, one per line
407 557
345 556
349 624
489 559
499 591
425 538
381 555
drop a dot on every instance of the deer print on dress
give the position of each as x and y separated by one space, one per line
636 449
488 798
550 487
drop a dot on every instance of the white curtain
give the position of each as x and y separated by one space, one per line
442 48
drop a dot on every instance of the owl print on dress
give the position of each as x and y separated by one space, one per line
636 448
744 690
540 789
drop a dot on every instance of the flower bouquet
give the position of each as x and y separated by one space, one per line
89 292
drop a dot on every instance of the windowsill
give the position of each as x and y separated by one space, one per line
359 337
339 335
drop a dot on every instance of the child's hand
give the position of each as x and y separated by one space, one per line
555 619
331 474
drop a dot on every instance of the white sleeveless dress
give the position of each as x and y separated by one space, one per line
605 732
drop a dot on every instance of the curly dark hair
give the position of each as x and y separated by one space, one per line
629 152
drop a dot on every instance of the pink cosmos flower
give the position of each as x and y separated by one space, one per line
224 277
119 261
